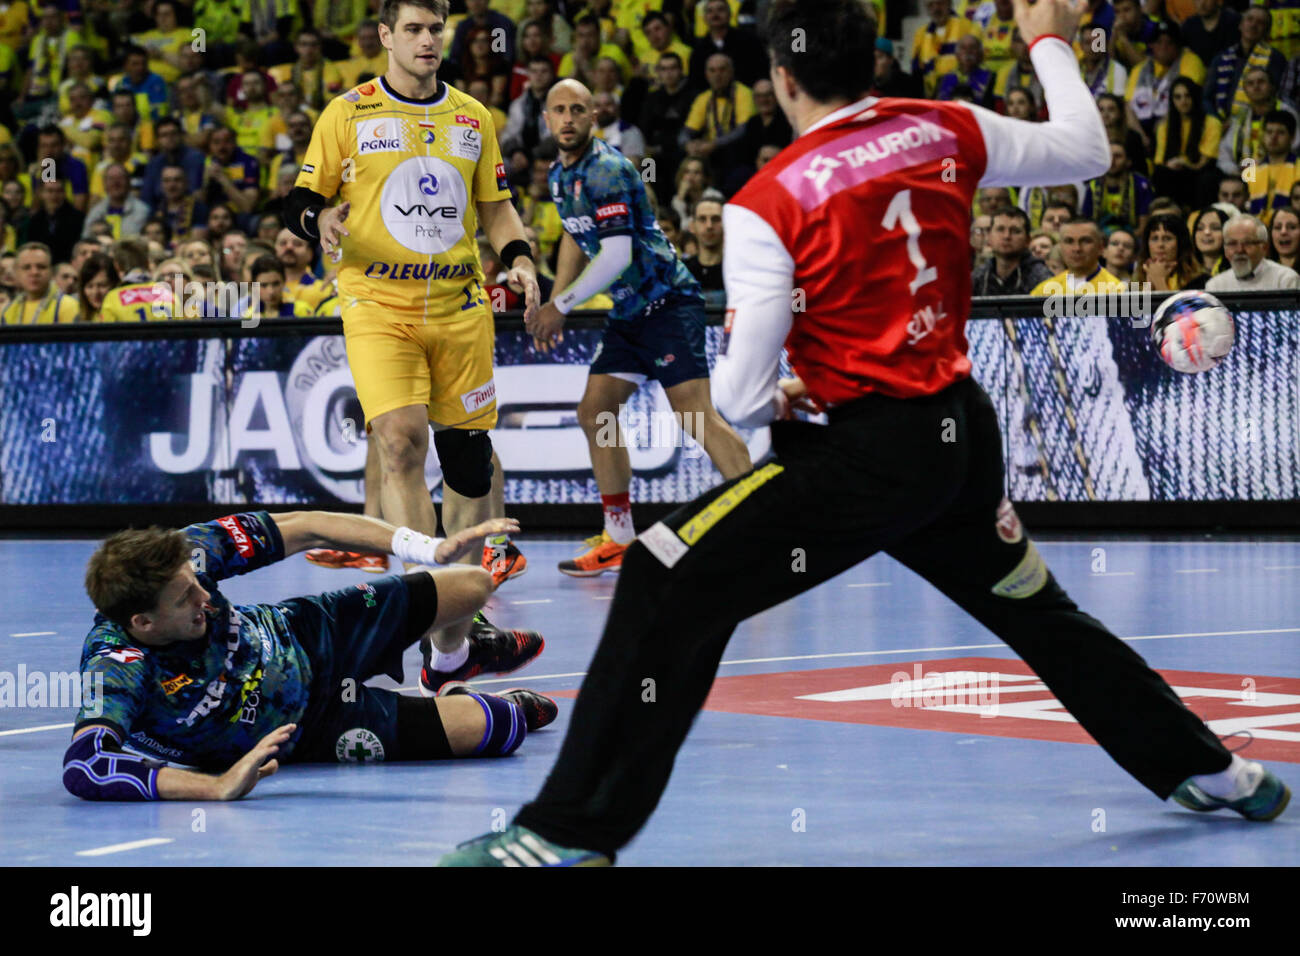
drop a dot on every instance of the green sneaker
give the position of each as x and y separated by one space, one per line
1266 800
519 846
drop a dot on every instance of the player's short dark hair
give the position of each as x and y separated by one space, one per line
133 49
1014 212
652 16
671 214
670 55
130 255
389 12
542 59
836 45
130 569
168 121
52 129
38 246
587 19
1081 221
266 264
1282 117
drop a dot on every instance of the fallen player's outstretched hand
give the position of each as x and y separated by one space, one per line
1049 17
471 539
254 765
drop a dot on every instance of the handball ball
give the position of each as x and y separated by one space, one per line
1192 331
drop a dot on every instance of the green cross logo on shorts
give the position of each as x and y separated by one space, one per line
359 745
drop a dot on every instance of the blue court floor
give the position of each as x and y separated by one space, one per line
810 775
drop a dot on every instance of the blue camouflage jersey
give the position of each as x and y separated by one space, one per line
602 195
206 702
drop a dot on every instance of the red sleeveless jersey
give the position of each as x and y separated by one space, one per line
874 209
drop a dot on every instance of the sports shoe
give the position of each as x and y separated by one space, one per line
491 651
604 554
328 558
520 846
1266 799
538 710
505 562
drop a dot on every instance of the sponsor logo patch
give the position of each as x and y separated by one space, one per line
1009 527
613 209
158 292
661 541
466 120
123 655
379 135
1026 579
176 683
367 90
237 534
465 143
308 168
476 398
359 746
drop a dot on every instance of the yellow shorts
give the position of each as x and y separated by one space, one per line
445 365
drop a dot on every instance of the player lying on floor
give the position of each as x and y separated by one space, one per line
231 690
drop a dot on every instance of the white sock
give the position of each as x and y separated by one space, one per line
1237 781
618 524
447 661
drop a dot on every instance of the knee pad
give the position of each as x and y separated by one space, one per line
466 460
505 729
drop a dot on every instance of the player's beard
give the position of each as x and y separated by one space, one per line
580 143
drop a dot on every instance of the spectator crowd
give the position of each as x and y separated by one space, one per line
150 143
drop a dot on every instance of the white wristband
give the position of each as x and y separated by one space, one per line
415 547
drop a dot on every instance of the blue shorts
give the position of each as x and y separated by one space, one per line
666 342
352 635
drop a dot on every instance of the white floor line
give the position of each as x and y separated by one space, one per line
121 847
603 597
1286 542
1281 567
902 650
35 634
534 601
33 730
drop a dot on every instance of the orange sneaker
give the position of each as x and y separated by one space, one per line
329 558
504 563
603 554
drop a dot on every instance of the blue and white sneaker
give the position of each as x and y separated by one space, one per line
520 846
1263 795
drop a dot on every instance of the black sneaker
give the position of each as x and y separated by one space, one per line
538 709
491 651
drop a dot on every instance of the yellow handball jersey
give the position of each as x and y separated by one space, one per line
55 307
413 171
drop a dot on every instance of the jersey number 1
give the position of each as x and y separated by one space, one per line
900 213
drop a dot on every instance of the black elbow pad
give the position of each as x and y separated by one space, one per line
300 200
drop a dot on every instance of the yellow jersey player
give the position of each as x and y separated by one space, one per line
39 301
408 157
